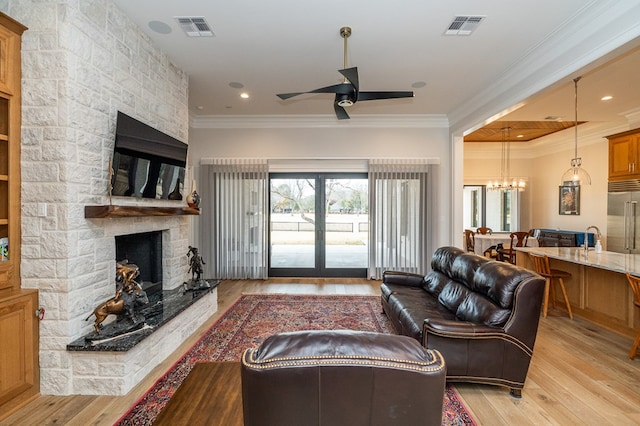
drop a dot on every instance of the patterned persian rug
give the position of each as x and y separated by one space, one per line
253 318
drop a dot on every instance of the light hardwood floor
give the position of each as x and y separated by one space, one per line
580 373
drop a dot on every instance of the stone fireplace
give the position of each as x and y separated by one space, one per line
82 62
100 372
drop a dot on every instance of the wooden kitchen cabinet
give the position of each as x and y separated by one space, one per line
19 370
624 155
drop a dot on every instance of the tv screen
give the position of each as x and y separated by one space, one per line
147 163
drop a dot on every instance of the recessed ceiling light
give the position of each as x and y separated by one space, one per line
236 85
418 84
244 95
159 27
606 98
520 136
200 107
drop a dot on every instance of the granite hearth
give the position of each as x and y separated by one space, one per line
163 306
115 367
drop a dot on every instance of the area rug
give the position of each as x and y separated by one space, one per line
253 318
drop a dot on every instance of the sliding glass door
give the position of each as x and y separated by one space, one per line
318 225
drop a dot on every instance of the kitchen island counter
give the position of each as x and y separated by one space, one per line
616 262
598 289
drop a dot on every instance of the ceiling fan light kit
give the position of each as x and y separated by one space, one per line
348 92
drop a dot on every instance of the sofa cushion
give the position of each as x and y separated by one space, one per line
409 306
499 280
434 282
452 295
479 309
464 268
444 257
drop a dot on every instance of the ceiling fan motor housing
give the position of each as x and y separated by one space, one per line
345 99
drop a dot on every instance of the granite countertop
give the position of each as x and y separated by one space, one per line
612 261
163 306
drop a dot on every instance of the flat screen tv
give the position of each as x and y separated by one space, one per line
147 163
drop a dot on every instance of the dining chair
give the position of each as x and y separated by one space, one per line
469 239
484 230
518 239
492 251
634 282
542 267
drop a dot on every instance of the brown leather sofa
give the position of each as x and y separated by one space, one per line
342 377
481 314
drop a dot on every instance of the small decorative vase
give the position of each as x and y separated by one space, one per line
175 194
193 199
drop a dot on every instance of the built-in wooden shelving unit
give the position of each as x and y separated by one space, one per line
19 325
106 211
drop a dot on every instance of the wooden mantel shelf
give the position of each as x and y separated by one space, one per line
135 211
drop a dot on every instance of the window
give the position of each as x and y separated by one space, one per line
498 210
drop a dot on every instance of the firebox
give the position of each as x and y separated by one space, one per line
145 250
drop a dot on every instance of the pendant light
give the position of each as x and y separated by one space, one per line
576 175
506 182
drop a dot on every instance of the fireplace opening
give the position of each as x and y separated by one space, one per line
144 250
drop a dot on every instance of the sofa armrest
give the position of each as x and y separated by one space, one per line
457 329
402 278
452 329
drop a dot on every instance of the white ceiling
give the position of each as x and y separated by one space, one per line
281 46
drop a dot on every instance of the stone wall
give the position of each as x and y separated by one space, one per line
82 62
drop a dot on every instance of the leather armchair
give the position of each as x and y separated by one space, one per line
342 377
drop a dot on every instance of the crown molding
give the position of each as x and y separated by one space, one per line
598 29
318 121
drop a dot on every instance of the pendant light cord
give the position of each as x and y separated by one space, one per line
575 127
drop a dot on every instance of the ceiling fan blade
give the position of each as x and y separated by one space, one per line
341 113
351 74
342 88
288 95
371 96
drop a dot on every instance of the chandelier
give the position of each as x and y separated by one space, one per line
576 175
506 182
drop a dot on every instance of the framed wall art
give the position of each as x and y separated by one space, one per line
569 200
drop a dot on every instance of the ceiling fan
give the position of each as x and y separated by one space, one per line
348 92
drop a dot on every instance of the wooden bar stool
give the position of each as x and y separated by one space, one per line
634 282
541 266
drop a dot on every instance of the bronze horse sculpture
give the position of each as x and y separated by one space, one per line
129 296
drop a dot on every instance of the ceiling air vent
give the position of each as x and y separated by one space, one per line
464 25
194 26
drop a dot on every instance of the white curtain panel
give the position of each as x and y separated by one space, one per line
399 216
234 219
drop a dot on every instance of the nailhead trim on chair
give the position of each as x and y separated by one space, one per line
343 359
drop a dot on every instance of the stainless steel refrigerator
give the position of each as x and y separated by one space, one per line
623 217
